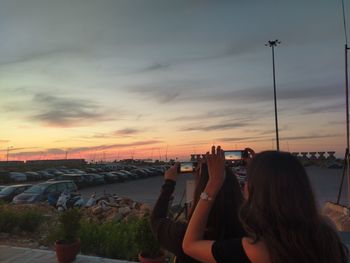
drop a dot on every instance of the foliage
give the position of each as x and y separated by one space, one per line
30 220
69 225
121 240
13 219
145 240
112 239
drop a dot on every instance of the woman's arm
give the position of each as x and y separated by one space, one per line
168 233
193 244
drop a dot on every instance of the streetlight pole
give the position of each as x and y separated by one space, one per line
8 152
272 44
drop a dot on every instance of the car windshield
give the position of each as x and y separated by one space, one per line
36 189
7 190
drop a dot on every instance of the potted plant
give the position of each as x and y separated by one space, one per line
148 246
68 246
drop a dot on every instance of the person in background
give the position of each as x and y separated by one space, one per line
280 216
170 233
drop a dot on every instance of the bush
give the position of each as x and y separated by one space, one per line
145 240
8 220
70 225
30 220
11 219
113 239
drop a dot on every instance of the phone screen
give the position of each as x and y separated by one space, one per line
233 155
187 167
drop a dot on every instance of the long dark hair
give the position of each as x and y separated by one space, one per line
223 221
281 210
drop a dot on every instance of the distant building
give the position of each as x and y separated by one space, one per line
11 163
58 162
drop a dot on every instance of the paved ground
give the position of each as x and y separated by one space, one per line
26 255
142 190
325 183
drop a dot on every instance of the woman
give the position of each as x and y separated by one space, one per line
225 211
280 216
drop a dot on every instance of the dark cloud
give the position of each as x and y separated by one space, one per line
216 127
112 146
238 139
336 107
66 112
29 55
13 149
127 131
162 94
261 138
154 67
183 92
56 151
309 137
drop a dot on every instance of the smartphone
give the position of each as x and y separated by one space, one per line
234 155
187 167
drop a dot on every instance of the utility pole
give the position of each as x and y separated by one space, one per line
272 44
347 159
8 153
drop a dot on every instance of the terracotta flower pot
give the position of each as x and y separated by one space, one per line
66 253
144 259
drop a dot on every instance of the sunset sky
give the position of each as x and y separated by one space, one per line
112 79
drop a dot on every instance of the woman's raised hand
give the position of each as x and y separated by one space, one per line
216 168
171 173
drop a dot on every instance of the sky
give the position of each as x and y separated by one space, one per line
113 79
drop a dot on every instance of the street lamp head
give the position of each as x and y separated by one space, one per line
272 43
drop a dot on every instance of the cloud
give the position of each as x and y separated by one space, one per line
154 67
233 49
163 94
112 146
127 131
190 92
309 137
24 56
57 151
336 107
261 138
66 112
215 127
4 141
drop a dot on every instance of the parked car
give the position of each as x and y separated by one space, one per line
17 177
33 176
9 192
78 179
141 173
2 187
112 177
40 192
97 179
131 176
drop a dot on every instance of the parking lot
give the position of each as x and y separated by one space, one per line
146 189
141 190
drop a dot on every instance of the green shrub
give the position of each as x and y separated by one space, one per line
8 220
120 240
145 240
30 220
69 225
11 219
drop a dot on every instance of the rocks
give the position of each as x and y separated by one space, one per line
115 209
97 210
124 210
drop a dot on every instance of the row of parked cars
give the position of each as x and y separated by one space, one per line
63 179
